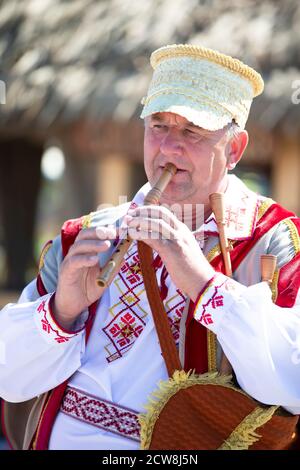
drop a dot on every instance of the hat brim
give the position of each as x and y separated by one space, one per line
206 116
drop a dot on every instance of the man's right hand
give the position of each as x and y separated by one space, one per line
77 288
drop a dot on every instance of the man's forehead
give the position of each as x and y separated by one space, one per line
173 117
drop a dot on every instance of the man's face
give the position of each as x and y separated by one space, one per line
201 157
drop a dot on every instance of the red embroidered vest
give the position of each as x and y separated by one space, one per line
196 334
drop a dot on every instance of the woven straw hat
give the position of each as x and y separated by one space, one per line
206 87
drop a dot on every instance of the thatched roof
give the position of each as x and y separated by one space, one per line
64 59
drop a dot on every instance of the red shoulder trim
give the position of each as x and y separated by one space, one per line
69 232
296 222
40 286
289 278
289 283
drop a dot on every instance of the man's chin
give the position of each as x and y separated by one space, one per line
174 194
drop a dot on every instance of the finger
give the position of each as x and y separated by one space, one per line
89 247
142 235
158 212
156 228
155 212
106 233
81 261
86 234
93 233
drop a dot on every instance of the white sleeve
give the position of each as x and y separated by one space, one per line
260 339
36 354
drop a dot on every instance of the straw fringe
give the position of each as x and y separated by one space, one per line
244 435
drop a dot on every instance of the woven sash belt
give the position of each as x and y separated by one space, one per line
101 413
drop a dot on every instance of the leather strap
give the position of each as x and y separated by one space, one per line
160 317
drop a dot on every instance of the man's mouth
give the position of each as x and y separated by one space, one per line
179 170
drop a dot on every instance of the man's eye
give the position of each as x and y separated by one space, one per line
160 128
191 133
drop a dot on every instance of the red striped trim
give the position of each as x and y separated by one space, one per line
69 232
289 283
40 286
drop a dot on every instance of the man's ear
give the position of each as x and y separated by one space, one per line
237 146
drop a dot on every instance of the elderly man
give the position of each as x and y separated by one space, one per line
99 358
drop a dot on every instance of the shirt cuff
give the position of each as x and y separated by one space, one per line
48 325
214 300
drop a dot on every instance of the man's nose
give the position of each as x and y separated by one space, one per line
171 143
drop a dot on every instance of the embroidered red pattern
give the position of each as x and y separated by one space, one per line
217 301
101 413
123 331
130 318
214 301
132 271
233 217
48 328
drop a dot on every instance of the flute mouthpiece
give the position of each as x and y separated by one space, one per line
268 267
171 168
217 206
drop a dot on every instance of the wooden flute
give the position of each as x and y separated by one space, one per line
268 262
114 264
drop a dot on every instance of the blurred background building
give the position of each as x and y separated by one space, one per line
75 72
